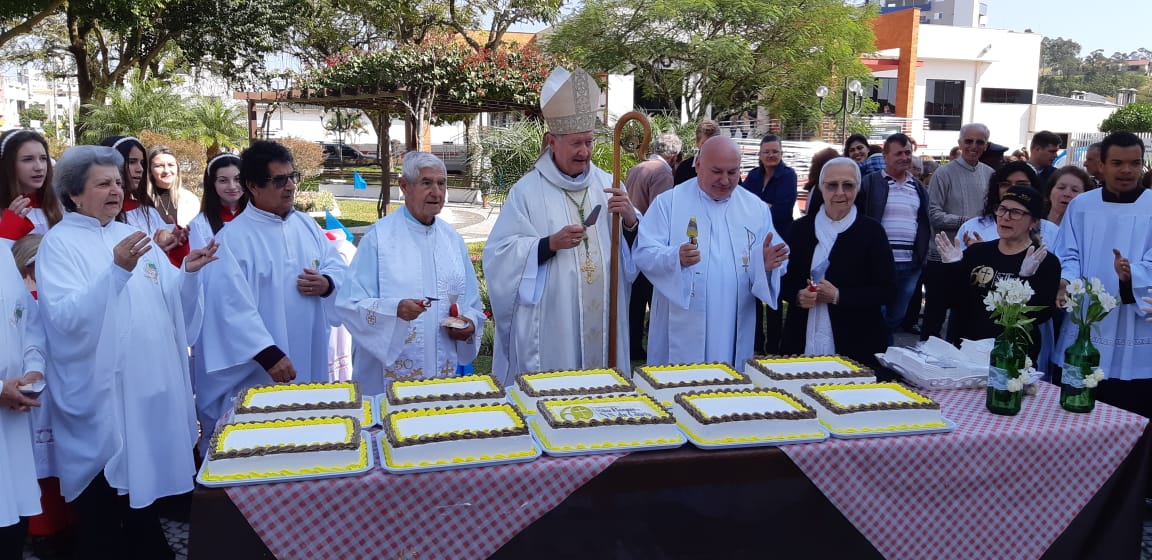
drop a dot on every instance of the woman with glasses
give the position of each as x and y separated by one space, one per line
973 272
775 183
840 274
983 227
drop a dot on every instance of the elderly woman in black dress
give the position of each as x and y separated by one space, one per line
840 274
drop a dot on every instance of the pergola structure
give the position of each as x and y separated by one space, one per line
372 99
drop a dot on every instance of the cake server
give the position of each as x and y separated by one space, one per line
591 219
693 231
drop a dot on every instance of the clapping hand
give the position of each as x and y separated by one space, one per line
128 251
1032 260
971 238
21 206
200 257
1122 266
774 255
950 250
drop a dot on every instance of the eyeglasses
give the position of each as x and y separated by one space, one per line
846 186
281 181
1012 213
978 142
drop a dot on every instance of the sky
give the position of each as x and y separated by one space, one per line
1111 25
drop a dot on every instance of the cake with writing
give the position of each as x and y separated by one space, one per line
722 417
604 423
296 447
873 408
663 383
303 400
456 436
792 373
531 387
442 391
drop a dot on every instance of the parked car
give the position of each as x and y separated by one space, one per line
343 154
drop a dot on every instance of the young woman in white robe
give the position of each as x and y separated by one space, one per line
118 319
21 363
26 194
139 210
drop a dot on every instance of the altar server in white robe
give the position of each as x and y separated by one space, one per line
118 318
22 363
548 274
399 293
705 289
139 210
1107 234
270 304
26 196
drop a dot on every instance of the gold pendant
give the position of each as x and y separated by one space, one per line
589 269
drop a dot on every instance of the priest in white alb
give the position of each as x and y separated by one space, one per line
548 257
269 304
1107 234
411 299
710 251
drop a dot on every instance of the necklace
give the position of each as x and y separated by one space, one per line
589 267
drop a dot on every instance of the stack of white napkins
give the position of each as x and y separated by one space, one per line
935 358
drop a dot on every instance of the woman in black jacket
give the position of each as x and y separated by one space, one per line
840 274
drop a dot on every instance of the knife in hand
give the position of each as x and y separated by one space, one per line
591 219
693 232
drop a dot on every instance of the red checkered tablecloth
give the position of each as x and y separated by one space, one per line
468 513
997 487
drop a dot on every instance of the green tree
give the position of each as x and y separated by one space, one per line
34 112
216 125
1134 117
735 54
139 105
21 18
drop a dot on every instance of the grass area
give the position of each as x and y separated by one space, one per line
358 212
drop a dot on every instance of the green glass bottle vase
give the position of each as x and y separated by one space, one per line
1080 359
1006 362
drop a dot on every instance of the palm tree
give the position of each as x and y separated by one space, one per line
215 124
138 105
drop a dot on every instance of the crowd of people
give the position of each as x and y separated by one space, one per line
146 309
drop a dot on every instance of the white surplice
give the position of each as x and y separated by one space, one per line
118 361
1091 228
252 303
400 258
146 219
22 338
548 316
706 312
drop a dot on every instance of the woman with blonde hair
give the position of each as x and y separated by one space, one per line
176 204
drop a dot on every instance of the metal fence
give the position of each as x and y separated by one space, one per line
1078 146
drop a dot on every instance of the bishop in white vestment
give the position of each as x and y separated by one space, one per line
269 304
548 258
409 272
705 289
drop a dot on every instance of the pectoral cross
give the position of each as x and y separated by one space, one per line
589 269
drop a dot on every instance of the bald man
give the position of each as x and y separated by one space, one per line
708 277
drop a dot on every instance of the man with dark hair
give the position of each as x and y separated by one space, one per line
1041 153
1101 230
270 311
1093 166
687 168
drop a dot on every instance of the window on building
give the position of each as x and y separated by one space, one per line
1006 95
944 104
884 94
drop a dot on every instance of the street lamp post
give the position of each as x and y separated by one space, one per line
851 102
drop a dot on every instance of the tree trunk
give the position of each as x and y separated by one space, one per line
383 124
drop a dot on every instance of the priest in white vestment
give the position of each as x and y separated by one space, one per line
706 279
269 302
548 257
118 320
410 271
23 364
1116 218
